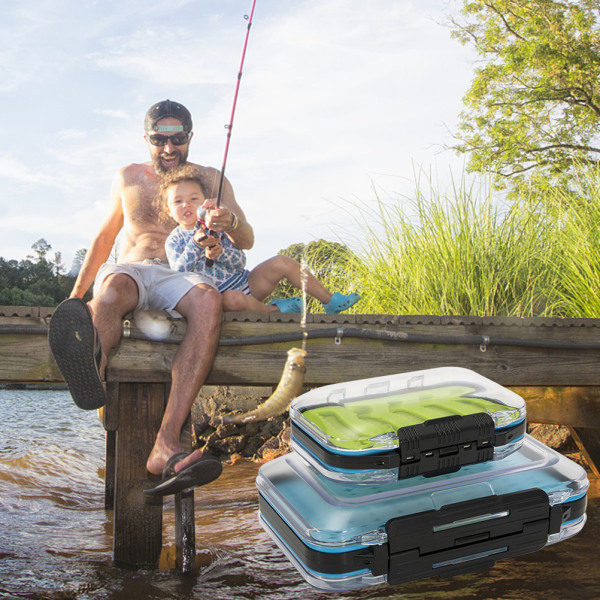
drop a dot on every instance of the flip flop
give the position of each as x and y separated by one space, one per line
288 305
200 472
72 339
340 302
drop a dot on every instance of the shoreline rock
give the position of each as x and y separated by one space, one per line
257 441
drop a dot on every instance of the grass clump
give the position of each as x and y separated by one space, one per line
456 254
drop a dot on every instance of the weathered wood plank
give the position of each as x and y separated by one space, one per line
328 362
27 358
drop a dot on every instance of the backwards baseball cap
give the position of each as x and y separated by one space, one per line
164 109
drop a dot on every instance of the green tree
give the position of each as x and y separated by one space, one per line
77 262
533 109
35 281
41 248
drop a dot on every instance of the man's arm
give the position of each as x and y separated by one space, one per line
102 244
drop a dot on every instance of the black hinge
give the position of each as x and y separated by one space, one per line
466 536
446 444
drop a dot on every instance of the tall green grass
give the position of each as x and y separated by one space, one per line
465 252
575 215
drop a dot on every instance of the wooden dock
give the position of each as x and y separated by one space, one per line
552 363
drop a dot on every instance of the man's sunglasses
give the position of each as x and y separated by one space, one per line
179 139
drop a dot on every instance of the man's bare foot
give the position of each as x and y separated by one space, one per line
201 471
160 455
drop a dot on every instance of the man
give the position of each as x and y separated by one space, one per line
82 336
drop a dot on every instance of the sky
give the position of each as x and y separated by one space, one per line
340 103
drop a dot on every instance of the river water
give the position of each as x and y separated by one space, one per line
56 537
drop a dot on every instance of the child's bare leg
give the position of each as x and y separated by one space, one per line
237 301
264 278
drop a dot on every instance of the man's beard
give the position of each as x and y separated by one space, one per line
161 169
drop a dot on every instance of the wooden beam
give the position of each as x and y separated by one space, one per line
330 360
26 356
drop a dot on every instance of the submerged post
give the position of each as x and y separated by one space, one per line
185 531
185 521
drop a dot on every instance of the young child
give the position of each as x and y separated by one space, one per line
190 245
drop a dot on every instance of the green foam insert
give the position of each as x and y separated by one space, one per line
353 424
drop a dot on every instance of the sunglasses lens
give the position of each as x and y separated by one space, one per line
157 139
178 139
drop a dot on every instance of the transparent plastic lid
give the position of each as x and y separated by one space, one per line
365 415
331 514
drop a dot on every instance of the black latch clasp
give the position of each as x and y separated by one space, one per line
467 536
444 445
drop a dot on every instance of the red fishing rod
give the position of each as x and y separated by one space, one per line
229 126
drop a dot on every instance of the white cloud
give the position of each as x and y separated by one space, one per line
17 171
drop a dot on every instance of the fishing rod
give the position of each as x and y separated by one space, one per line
229 126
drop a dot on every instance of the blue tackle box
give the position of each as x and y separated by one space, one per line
424 422
343 536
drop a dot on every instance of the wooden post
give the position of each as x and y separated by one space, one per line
109 470
185 531
137 518
110 420
185 522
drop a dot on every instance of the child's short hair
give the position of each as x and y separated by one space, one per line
187 172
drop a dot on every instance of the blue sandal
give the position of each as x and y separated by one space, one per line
288 305
340 302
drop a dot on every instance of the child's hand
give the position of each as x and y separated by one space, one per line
213 252
205 241
210 243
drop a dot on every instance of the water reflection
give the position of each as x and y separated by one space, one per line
56 538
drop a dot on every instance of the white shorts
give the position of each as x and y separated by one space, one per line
159 288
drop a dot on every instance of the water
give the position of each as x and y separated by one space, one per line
56 537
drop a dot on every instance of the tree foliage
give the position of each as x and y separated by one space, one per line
533 109
35 281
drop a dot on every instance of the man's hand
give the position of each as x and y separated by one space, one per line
217 219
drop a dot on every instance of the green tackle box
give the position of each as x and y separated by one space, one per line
419 423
